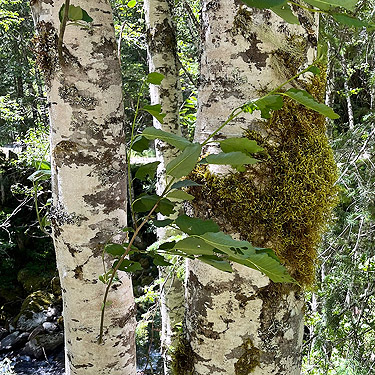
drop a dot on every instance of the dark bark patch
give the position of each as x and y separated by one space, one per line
78 273
254 55
249 358
71 95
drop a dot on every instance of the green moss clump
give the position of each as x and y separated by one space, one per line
285 202
249 360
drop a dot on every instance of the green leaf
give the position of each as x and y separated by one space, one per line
128 229
155 78
185 162
269 103
184 183
350 21
234 248
128 266
194 246
216 262
167 245
304 98
140 143
327 4
263 4
159 260
45 165
86 17
147 170
75 14
115 249
180 195
249 107
177 141
285 12
131 4
162 223
155 111
268 265
41 175
230 158
314 69
147 202
193 225
244 145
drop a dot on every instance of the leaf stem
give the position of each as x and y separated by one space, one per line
62 31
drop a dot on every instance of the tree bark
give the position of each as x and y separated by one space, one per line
242 323
162 58
88 184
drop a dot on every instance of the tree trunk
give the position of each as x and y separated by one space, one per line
242 323
162 58
88 184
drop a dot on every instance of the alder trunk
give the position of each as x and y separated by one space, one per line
88 183
242 323
162 58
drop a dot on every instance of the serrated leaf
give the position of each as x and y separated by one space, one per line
327 4
304 98
177 141
314 70
268 266
244 145
147 202
155 78
234 248
269 103
155 111
196 226
128 266
147 170
41 175
115 249
194 246
216 262
285 12
162 223
350 21
131 4
185 162
234 158
263 4
184 183
159 260
140 143
180 195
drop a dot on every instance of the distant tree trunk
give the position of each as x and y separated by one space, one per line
162 57
242 323
88 184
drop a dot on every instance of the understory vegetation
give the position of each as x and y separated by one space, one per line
340 297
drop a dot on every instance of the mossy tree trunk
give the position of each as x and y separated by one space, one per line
162 57
88 184
242 323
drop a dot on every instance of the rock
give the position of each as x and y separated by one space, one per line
13 341
43 344
35 310
50 327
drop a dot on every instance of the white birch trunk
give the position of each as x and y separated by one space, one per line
241 323
89 185
162 58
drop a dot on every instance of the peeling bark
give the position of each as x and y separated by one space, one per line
88 184
242 323
162 58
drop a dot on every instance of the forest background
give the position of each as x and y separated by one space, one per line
339 328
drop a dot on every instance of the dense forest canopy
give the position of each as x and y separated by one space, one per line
339 322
